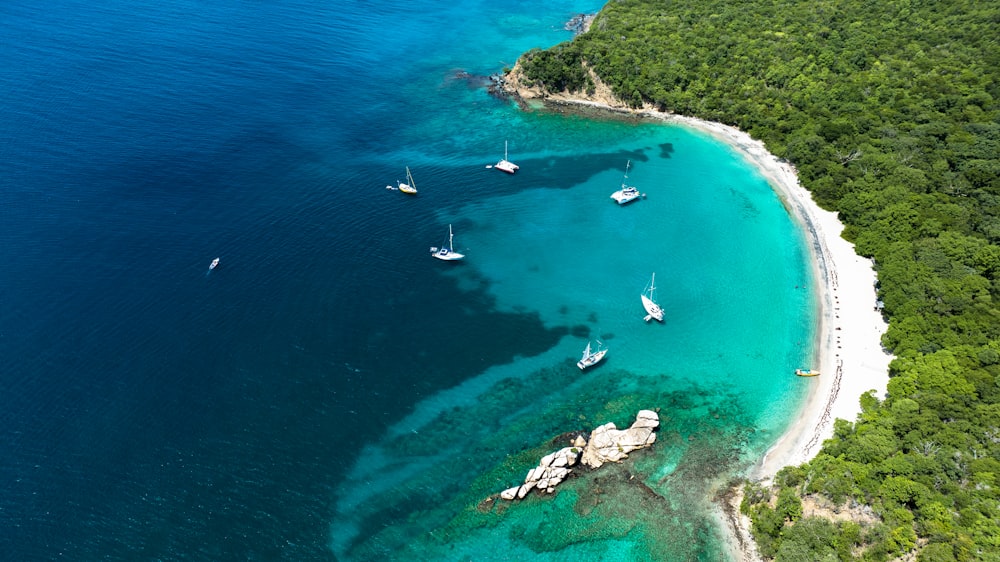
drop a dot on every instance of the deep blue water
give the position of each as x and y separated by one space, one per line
151 409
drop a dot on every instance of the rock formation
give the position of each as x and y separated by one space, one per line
551 470
579 23
606 444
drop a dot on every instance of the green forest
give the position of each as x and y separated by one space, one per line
889 112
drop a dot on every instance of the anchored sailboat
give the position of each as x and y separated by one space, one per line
627 193
506 165
449 253
653 310
591 358
409 187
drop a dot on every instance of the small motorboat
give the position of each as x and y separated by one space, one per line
214 264
807 372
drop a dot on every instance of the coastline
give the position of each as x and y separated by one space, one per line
848 351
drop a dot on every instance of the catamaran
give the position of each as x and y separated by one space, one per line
653 310
409 187
506 165
449 253
627 193
591 358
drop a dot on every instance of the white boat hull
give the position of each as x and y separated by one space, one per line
622 197
591 360
505 166
627 193
653 310
446 254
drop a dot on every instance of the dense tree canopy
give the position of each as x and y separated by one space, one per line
889 112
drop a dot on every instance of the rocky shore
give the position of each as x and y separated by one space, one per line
579 23
849 346
529 95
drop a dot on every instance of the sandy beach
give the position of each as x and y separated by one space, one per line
849 354
850 357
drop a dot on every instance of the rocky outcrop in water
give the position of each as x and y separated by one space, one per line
607 444
579 23
551 470
498 86
610 444
495 84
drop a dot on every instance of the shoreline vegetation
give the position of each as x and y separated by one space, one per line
849 354
890 115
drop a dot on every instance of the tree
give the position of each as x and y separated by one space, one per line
889 111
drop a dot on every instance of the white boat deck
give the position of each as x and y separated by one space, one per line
591 359
626 195
507 166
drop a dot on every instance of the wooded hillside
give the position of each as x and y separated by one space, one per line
889 112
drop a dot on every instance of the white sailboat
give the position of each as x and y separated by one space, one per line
506 165
410 187
449 253
591 358
653 310
627 193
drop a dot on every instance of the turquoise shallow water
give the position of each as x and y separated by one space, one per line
330 391
732 278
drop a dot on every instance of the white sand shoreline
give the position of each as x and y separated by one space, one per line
848 352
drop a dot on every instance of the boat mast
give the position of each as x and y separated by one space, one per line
450 247
504 150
